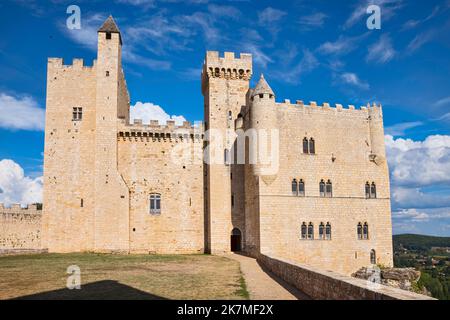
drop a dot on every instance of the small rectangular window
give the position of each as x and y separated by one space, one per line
232 200
108 36
155 203
77 114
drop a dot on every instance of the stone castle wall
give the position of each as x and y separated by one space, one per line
164 160
329 285
344 144
20 229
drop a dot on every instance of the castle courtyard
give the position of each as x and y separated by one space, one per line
142 277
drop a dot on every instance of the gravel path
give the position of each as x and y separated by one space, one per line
262 285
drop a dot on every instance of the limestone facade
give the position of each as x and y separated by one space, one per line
102 174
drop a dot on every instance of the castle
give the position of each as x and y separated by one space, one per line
110 186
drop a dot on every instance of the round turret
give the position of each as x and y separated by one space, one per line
263 118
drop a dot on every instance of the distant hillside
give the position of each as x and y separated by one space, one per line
420 242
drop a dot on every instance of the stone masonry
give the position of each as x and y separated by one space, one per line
101 172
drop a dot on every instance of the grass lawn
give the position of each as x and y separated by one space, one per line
105 276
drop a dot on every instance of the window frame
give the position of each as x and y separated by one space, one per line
294 183
329 189
322 189
301 188
155 203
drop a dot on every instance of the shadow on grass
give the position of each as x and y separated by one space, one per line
100 290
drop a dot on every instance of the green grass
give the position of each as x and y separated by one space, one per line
105 276
242 291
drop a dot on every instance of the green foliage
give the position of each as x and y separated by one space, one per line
415 251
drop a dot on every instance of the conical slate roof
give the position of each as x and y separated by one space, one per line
109 26
262 87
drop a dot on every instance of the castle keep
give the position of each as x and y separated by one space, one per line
111 186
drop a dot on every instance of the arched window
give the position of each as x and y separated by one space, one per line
305 145
329 189
312 146
328 231
373 190
321 231
155 203
294 187
311 231
373 257
322 188
301 188
359 230
365 231
367 190
303 231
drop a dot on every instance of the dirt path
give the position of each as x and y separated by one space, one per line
263 285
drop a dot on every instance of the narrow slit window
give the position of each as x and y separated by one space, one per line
303 231
311 231
367 190
301 188
329 189
359 231
328 231
366 231
321 231
373 191
294 187
312 146
305 146
322 188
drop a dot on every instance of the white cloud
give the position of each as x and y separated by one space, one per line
148 111
400 129
381 51
442 102
353 79
359 14
343 45
270 15
293 71
405 197
16 187
420 40
20 113
87 37
419 163
313 20
411 214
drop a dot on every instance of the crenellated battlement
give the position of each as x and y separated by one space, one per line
76 63
368 110
18 209
154 130
228 66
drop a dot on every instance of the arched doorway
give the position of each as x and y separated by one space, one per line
236 239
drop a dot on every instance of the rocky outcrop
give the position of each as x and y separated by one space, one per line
402 278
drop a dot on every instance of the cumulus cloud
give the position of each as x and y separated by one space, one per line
404 197
15 187
148 111
419 163
20 113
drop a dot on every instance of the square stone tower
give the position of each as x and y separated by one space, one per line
225 83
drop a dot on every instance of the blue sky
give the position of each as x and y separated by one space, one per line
308 50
